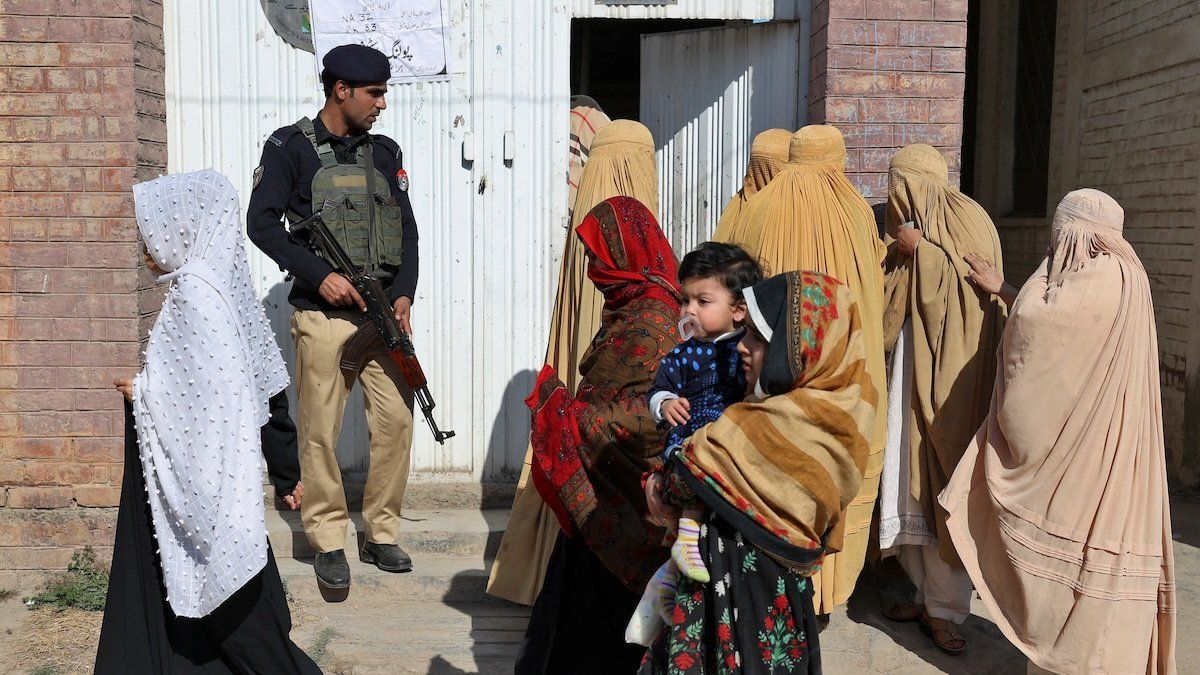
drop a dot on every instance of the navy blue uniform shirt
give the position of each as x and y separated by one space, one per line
288 166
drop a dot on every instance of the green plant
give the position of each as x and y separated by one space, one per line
319 651
6 593
82 586
46 670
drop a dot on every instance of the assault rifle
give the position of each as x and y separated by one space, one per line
381 327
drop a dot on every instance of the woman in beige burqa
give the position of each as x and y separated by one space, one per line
945 334
810 217
620 162
1059 507
768 155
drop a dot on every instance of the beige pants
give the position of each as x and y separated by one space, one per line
322 393
944 590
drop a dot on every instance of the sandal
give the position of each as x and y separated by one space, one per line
944 636
904 612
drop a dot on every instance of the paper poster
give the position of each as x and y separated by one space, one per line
411 33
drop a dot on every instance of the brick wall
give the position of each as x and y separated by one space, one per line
1124 121
81 119
889 73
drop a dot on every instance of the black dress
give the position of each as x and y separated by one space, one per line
754 617
248 633
577 626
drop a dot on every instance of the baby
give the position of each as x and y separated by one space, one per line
695 382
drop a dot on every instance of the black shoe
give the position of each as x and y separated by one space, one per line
387 557
332 570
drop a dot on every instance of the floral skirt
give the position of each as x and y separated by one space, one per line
755 616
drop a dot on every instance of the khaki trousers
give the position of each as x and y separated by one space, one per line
945 591
322 392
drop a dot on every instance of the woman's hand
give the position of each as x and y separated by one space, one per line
125 386
984 274
988 279
662 512
294 498
907 239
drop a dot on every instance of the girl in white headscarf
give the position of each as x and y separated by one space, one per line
211 368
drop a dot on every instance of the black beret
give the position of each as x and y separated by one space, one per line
357 63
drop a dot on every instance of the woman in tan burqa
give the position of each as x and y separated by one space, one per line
1059 508
620 163
809 217
945 334
768 155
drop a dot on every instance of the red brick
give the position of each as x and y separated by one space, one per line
97 54
22 80
916 59
32 204
946 111
39 497
933 34
884 110
949 60
950 10
27 558
115 8
915 85
18 54
100 449
97 495
37 448
56 305
875 160
907 10
101 154
872 185
866 33
933 134
842 111
867 135
57 179
24 29
36 401
27 104
68 423
846 9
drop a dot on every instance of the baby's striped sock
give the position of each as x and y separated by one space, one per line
686 551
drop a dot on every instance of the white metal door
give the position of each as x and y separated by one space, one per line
704 95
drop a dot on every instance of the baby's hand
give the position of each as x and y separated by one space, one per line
675 411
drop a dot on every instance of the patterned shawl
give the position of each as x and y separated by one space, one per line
1059 508
956 328
591 450
790 463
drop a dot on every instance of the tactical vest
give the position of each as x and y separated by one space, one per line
369 224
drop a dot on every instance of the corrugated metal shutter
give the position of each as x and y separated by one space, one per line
705 94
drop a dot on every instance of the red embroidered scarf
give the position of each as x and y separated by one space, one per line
590 451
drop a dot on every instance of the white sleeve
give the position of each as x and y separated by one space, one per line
656 402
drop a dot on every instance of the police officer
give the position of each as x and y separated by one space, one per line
332 156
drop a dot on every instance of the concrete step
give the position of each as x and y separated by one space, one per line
452 580
367 635
445 532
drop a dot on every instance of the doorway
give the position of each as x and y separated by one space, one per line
606 59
